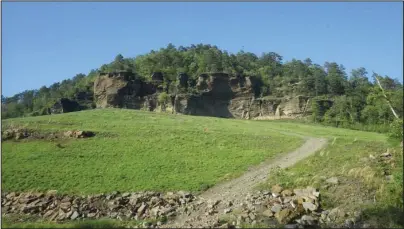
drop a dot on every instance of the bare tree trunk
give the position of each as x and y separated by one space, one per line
305 107
388 101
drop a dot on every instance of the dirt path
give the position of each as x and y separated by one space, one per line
236 189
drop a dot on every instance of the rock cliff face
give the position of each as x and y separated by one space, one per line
121 90
64 105
215 94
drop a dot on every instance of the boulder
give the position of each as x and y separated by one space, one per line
276 208
308 220
385 155
309 206
267 213
16 133
78 134
277 189
332 180
74 215
335 214
283 216
286 192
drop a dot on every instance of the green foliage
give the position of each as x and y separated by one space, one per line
163 98
396 129
336 78
320 105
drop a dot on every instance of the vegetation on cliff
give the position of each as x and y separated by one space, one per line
356 102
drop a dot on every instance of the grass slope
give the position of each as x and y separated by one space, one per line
352 157
135 150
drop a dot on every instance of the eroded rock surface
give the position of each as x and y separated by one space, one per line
214 94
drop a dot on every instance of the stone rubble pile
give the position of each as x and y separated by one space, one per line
15 133
22 133
294 208
78 134
297 208
285 206
125 206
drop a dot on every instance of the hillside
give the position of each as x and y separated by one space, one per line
179 137
335 97
134 151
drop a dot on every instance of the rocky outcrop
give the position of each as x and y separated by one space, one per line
122 90
217 95
214 94
293 107
65 105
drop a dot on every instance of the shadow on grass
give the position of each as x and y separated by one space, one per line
387 217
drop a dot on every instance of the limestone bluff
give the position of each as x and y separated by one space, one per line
211 94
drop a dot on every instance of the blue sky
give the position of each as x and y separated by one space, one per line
47 42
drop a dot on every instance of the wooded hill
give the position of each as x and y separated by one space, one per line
357 101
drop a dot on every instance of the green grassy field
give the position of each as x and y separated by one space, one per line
136 150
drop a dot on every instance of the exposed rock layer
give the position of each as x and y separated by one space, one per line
215 94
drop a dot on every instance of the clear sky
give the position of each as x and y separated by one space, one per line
44 43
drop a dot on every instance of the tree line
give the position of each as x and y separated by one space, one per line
357 102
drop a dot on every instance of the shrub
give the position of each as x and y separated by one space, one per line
162 97
396 129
